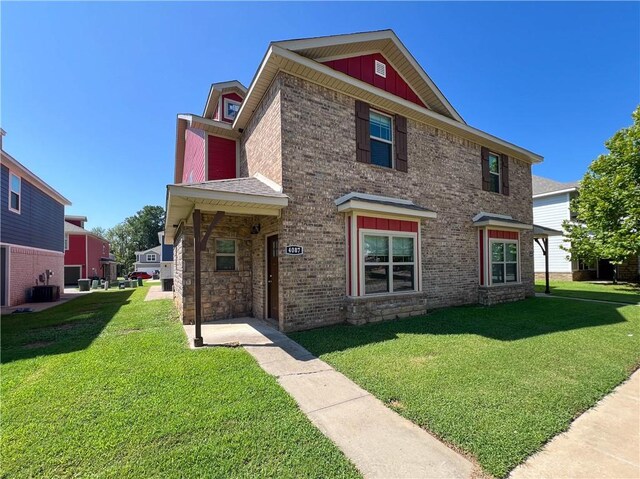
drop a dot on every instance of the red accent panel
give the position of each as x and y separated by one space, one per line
222 158
349 252
369 223
193 165
394 225
372 223
382 224
481 240
363 67
76 254
499 234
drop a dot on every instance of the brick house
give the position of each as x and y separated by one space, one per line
31 231
86 254
343 186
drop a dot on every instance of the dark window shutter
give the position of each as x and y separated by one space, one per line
363 141
401 143
486 180
504 164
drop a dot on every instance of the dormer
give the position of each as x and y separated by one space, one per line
224 101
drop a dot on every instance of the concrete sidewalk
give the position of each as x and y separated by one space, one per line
155 292
604 442
544 295
67 295
378 441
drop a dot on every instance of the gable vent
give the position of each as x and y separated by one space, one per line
381 69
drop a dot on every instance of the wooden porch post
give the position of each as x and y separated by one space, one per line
200 245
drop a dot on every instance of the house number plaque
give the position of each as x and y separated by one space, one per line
294 250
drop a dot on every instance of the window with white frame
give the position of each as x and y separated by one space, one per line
231 108
15 192
381 134
225 255
389 263
66 242
494 172
504 261
151 257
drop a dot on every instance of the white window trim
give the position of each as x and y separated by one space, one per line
393 136
66 242
234 254
490 265
225 102
19 193
151 257
499 173
417 286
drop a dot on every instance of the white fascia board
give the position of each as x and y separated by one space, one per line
265 60
212 195
558 192
311 64
504 224
355 205
351 195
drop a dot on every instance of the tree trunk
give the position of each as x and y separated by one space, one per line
615 274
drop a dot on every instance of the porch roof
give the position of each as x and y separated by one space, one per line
502 221
254 195
381 204
543 232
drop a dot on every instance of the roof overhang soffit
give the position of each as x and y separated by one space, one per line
279 59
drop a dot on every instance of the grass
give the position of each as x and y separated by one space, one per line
621 293
495 382
105 386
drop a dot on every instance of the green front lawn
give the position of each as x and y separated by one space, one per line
621 293
496 382
105 386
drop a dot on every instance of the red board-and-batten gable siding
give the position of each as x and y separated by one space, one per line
220 111
76 255
193 166
363 68
222 158
383 224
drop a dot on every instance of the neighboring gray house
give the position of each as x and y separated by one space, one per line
552 206
148 261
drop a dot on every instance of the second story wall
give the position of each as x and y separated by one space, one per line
551 211
193 169
261 144
40 223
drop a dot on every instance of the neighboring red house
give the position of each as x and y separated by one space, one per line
86 255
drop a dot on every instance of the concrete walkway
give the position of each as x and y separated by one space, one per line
378 441
67 295
155 292
604 442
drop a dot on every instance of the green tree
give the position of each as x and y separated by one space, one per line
608 203
136 233
99 231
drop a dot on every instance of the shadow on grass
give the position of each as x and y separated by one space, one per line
69 327
505 322
622 293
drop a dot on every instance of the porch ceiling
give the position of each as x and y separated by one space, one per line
242 196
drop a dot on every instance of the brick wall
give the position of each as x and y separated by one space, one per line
318 166
489 296
25 265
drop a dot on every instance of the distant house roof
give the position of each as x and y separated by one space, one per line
545 186
75 218
155 249
70 228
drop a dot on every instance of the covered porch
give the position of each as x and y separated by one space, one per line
219 231
541 236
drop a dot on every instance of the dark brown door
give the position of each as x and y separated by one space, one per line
272 277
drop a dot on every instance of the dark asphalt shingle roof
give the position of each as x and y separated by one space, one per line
545 185
249 186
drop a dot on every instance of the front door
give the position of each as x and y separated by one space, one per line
272 277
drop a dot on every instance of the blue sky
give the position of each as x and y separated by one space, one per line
90 92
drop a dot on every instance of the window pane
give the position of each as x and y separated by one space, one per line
494 164
15 201
403 278
376 279
512 252
376 249
225 246
15 184
381 153
512 272
380 126
402 250
225 263
497 252
495 183
497 273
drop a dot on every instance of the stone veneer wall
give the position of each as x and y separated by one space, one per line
225 294
361 310
318 166
489 296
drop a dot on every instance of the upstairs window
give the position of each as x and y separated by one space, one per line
231 108
381 134
494 173
225 255
151 257
15 193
